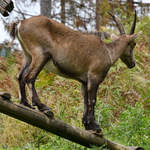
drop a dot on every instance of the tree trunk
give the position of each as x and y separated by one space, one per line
130 4
63 17
98 15
56 126
45 6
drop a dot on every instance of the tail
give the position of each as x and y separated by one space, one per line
13 30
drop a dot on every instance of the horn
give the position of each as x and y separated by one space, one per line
134 24
118 23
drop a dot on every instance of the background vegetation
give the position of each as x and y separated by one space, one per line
123 104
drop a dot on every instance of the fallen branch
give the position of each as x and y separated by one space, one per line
56 126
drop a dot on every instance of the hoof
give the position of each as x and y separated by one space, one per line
97 133
49 113
93 126
5 96
34 104
27 105
98 130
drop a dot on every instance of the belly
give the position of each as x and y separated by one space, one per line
51 67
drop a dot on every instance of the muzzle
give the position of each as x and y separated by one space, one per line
131 65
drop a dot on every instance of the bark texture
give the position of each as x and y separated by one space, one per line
45 6
98 15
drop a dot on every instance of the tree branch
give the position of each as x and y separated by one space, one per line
56 126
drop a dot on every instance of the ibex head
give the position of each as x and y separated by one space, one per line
127 57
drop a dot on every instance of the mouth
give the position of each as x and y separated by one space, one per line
131 66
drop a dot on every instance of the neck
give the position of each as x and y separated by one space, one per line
115 50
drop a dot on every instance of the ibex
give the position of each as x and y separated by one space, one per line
72 54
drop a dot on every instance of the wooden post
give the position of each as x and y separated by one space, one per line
63 16
45 7
98 15
56 126
5 7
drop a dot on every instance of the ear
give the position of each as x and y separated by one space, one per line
134 36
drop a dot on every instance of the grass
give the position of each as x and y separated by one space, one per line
122 109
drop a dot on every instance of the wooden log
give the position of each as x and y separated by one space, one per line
56 126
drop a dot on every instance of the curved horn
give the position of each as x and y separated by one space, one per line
134 24
118 24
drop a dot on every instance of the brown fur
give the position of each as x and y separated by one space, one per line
12 29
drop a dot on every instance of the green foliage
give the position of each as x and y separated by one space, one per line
144 26
45 78
104 7
132 127
104 115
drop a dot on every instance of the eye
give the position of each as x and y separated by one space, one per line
133 45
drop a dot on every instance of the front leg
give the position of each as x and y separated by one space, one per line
89 93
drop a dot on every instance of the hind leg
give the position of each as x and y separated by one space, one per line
37 64
36 101
22 84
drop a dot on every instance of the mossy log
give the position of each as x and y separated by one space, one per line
56 126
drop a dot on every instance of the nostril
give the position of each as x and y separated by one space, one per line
132 65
